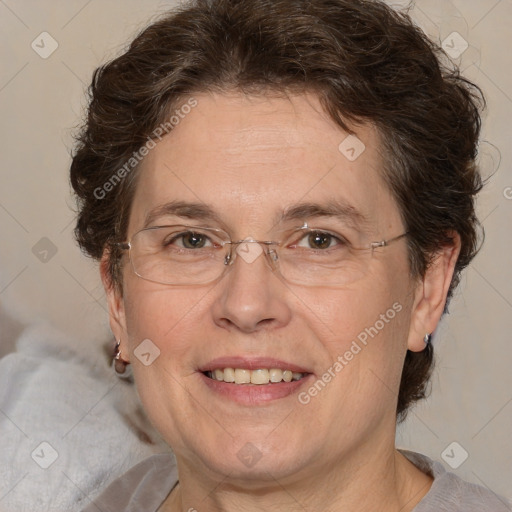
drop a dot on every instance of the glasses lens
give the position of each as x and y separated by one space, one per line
178 254
314 257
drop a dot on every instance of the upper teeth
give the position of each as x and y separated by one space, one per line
263 376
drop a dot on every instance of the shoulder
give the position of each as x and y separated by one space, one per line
143 487
449 493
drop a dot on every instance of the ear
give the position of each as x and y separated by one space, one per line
430 294
115 304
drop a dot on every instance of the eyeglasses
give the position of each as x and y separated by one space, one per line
192 255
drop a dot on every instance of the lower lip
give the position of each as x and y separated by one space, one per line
254 394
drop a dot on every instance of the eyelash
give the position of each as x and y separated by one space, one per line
337 238
182 235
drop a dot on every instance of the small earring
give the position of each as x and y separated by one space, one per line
426 339
121 367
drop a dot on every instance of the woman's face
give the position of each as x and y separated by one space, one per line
253 167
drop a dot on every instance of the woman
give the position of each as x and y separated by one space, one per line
281 195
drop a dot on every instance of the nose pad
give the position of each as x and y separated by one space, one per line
272 257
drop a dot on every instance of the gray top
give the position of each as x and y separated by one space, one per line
145 487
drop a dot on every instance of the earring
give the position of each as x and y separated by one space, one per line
121 367
426 339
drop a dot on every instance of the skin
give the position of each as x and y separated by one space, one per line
249 159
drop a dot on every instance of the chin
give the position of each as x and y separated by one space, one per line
251 463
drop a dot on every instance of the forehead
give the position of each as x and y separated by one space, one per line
249 159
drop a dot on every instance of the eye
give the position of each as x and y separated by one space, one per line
319 240
189 240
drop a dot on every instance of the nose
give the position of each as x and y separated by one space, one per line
252 296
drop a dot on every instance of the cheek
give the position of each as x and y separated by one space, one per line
172 320
340 316
363 333
169 317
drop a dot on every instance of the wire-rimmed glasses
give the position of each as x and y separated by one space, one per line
184 255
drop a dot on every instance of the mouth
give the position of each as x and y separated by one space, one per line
253 381
259 377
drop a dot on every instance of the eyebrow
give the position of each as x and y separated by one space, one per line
199 211
336 208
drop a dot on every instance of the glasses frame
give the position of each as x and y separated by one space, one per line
271 255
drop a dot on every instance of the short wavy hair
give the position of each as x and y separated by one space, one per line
364 60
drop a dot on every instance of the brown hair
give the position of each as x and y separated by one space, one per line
366 62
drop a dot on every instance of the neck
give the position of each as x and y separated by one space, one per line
387 482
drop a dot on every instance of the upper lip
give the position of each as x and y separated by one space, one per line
251 363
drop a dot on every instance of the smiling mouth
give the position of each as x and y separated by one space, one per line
258 377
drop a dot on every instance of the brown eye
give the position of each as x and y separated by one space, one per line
319 240
193 240
187 240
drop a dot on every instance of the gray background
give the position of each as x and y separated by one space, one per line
42 100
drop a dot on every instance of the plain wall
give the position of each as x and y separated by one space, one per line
42 100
